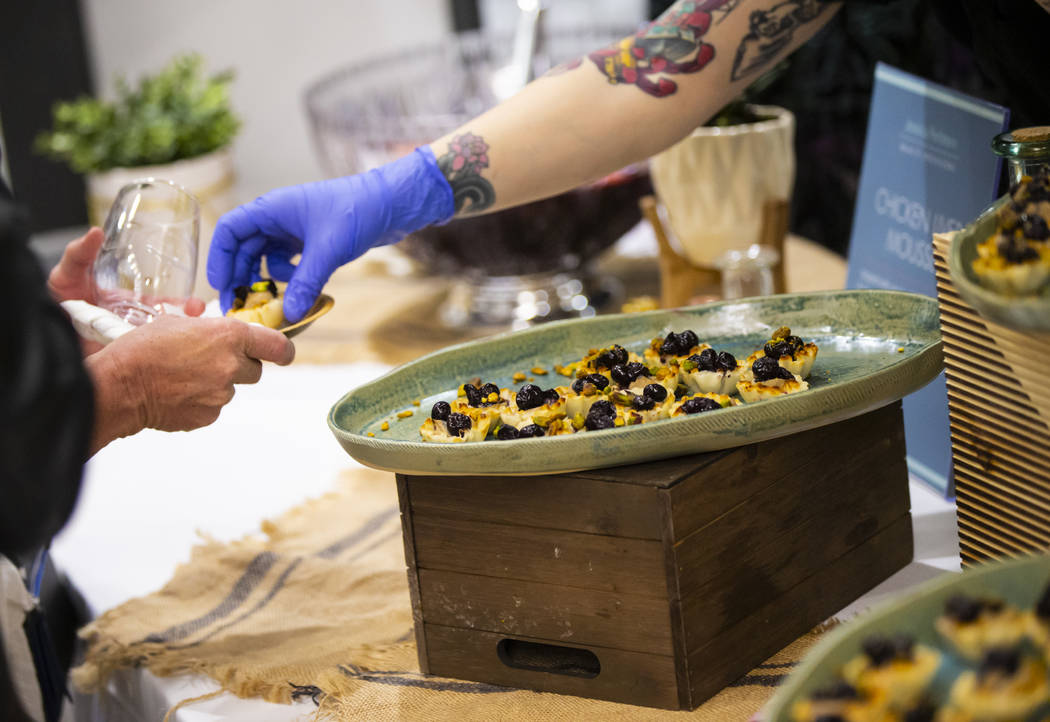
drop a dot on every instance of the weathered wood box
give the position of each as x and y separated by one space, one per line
654 584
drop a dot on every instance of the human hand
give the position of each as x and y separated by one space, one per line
71 278
330 223
176 373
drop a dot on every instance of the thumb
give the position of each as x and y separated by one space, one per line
305 285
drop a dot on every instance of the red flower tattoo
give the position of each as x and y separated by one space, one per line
467 156
671 45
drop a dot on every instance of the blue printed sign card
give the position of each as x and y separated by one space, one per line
928 168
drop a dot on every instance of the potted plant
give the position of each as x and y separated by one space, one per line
176 124
714 182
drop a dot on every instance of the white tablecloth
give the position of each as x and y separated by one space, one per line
146 498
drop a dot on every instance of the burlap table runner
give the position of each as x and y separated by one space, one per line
318 606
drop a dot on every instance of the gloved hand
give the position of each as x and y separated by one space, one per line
330 222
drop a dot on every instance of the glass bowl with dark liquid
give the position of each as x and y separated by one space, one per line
516 266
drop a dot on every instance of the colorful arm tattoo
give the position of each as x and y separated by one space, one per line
770 31
671 45
461 165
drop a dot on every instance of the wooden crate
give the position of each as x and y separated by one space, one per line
999 410
654 584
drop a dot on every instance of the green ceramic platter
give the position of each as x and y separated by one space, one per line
1018 582
1028 313
875 347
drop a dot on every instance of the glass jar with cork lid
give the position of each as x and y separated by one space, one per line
1026 150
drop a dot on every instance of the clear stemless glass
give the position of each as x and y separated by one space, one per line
148 261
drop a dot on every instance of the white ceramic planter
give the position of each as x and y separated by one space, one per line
713 183
209 177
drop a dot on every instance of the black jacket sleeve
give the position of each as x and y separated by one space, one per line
46 398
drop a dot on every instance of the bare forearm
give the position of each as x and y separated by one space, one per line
621 104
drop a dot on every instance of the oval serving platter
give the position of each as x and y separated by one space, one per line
1021 313
1018 582
875 347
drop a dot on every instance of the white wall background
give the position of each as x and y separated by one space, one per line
278 48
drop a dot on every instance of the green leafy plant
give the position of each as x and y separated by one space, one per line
737 111
175 114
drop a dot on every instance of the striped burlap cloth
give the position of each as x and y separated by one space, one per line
318 606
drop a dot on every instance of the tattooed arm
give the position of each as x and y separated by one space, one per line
623 103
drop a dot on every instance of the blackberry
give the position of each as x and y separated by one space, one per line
705 360
529 397
440 411
457 424
1004 660
507 433
656 392
686 341
643 402
551 396
530 430
725 361
627 374
962 608
486 393
1016 251
765 368
613 356
601 416
473 394
880 650
1035 226
700 404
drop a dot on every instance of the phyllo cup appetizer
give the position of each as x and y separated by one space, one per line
787 350
583 392
769 380
711 372
634 376
699 403
974 625
1008 685
843 702
653 403
605 414
259 303
531 405
602 360
446 426
671 349
898 669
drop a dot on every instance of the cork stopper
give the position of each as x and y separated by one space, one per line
1033 134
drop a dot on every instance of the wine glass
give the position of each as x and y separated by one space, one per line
148 262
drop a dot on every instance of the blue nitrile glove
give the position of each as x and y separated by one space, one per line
330 222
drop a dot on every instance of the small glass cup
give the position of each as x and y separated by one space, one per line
747 272
147 264
1027 151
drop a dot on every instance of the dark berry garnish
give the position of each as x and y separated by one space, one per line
597 380
725 362
1002 660
529 397
962 608
507 433
602 415
643 402
486 392
765 368
837 690
1042 607
1035 226
551 396
656 392
440 411
699 404
627 374
530 430
610 357
904 645
705 360
777 349
1015 250
924 712
830 718
473 394
679 344
457 424
879 650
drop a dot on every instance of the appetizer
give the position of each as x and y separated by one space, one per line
698 403
769 380
789 351
711 372
841 701
1015 259
259 303
673 348
1009 685
530 406
896 669
973 626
